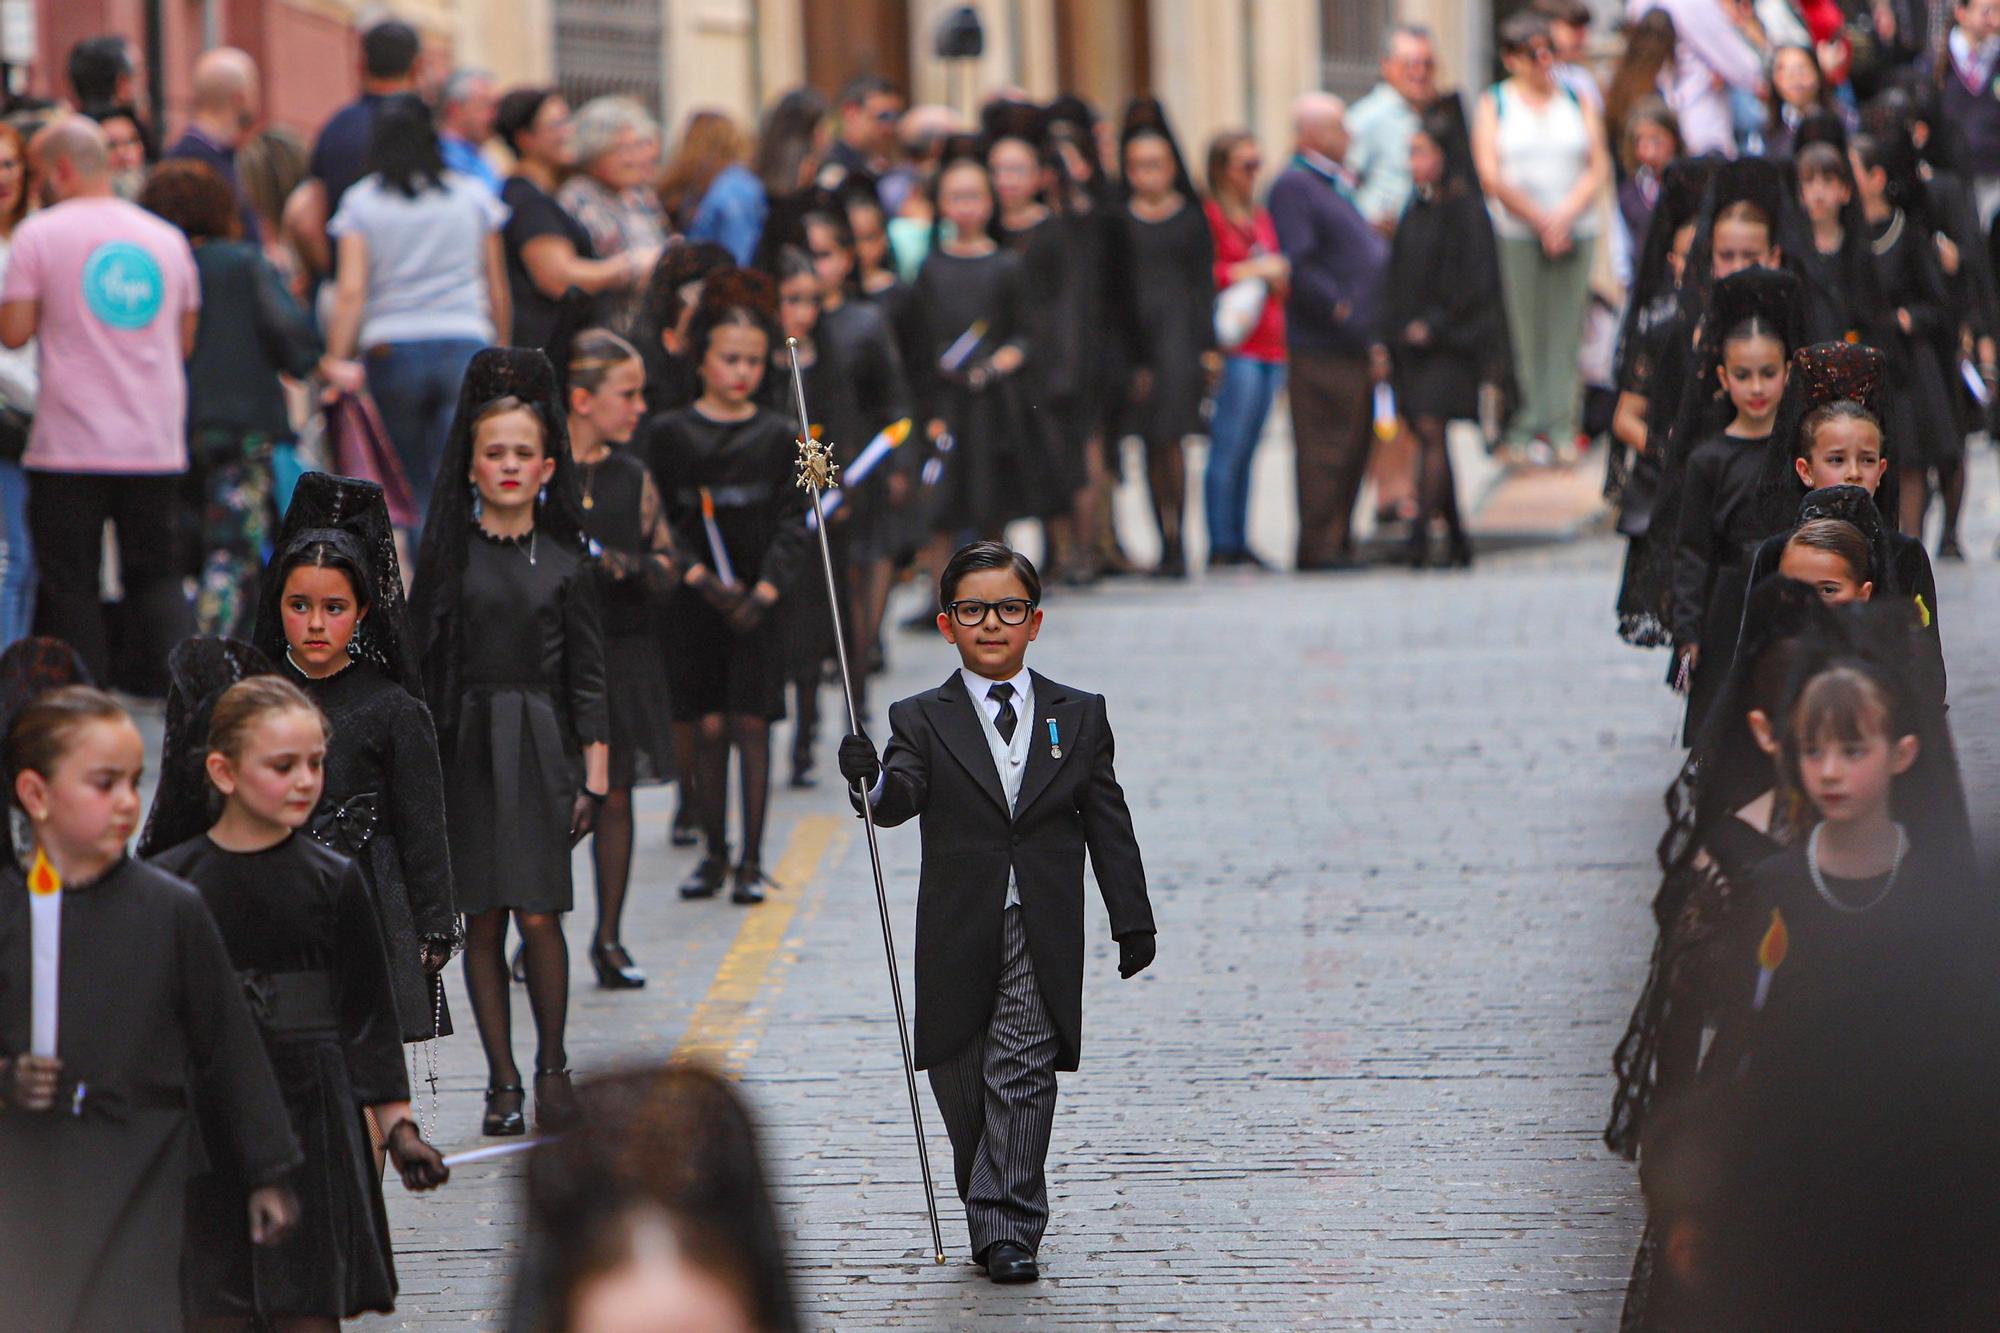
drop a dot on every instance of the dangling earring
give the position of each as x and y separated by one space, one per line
478 505
542 496
23 833
353 647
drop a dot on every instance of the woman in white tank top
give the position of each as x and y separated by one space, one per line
1543 162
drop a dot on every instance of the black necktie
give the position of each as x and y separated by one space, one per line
1003 721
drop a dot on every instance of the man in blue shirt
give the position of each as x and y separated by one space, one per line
389 50
225 107
465 123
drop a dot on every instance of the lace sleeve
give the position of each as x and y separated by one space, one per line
662 565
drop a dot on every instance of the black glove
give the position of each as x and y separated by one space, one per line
419 1164
858 763
1135 954
583 815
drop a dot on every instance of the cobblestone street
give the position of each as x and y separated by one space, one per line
1399 832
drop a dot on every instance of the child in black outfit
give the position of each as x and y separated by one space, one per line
724 467
1006 820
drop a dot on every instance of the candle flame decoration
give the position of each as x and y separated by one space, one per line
42 877
1777 942
1923 612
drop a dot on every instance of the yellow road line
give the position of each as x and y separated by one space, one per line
722 1027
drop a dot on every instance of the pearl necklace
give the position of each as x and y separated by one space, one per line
1826 894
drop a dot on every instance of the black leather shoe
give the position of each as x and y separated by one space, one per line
503 1113
685 833
706 881
747 886
615 968
555 1101
1008 1262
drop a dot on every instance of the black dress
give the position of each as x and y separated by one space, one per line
1652 370
746 469
1054 289
1836 1160
300 928
1002 463
907 529
151 1017
534 213
621 513
1921 410
531 669
1441 275
1170 280
1719 526
384 807
857 388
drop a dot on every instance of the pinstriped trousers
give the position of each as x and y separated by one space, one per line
998 1097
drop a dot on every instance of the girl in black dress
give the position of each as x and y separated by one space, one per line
1924 338
300 927
96 1126
331 614
513 661
1834 1160
725 469
1443 313
860 334
1027 223
635 571
997 455
1167 259
1717 470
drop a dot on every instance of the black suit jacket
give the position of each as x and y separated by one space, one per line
939 769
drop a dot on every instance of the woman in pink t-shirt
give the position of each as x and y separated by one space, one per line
1246 246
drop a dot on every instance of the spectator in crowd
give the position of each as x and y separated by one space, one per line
466 108
1542 160
389 50
1799 90
1246 250
1569 29
1382 122
654 1212
709 191
102 74
1652 139
225 107
251 332
612 192
18 385
1645 71
791 142
548 251
129 147
1967 74
1337 263
270 165
869 108
1712 60
422 285
112 293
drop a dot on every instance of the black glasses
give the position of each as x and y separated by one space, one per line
971 612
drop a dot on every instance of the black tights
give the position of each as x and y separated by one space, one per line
1437 490
546 958
751 738
611 856
1166 480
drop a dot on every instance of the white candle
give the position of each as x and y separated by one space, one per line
45 951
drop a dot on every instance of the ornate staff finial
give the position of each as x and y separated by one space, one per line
817 470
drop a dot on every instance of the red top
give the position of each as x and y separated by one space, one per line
1823 18
1234 244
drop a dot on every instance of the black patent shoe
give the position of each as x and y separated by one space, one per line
747 884
1007 1263
518 969
1949 549
503 1113
555 1101
615 968
706 881
686 832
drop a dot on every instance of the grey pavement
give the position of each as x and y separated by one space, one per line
1399 832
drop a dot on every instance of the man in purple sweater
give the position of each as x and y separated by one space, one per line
1338 262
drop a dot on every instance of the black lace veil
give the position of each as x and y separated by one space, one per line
343 522
1822 374
199 670
30 667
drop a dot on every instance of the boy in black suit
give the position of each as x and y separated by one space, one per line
1010 775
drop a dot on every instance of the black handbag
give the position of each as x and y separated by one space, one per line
14 425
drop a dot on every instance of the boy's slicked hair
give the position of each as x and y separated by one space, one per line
975 556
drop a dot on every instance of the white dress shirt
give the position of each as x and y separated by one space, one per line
1010 759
